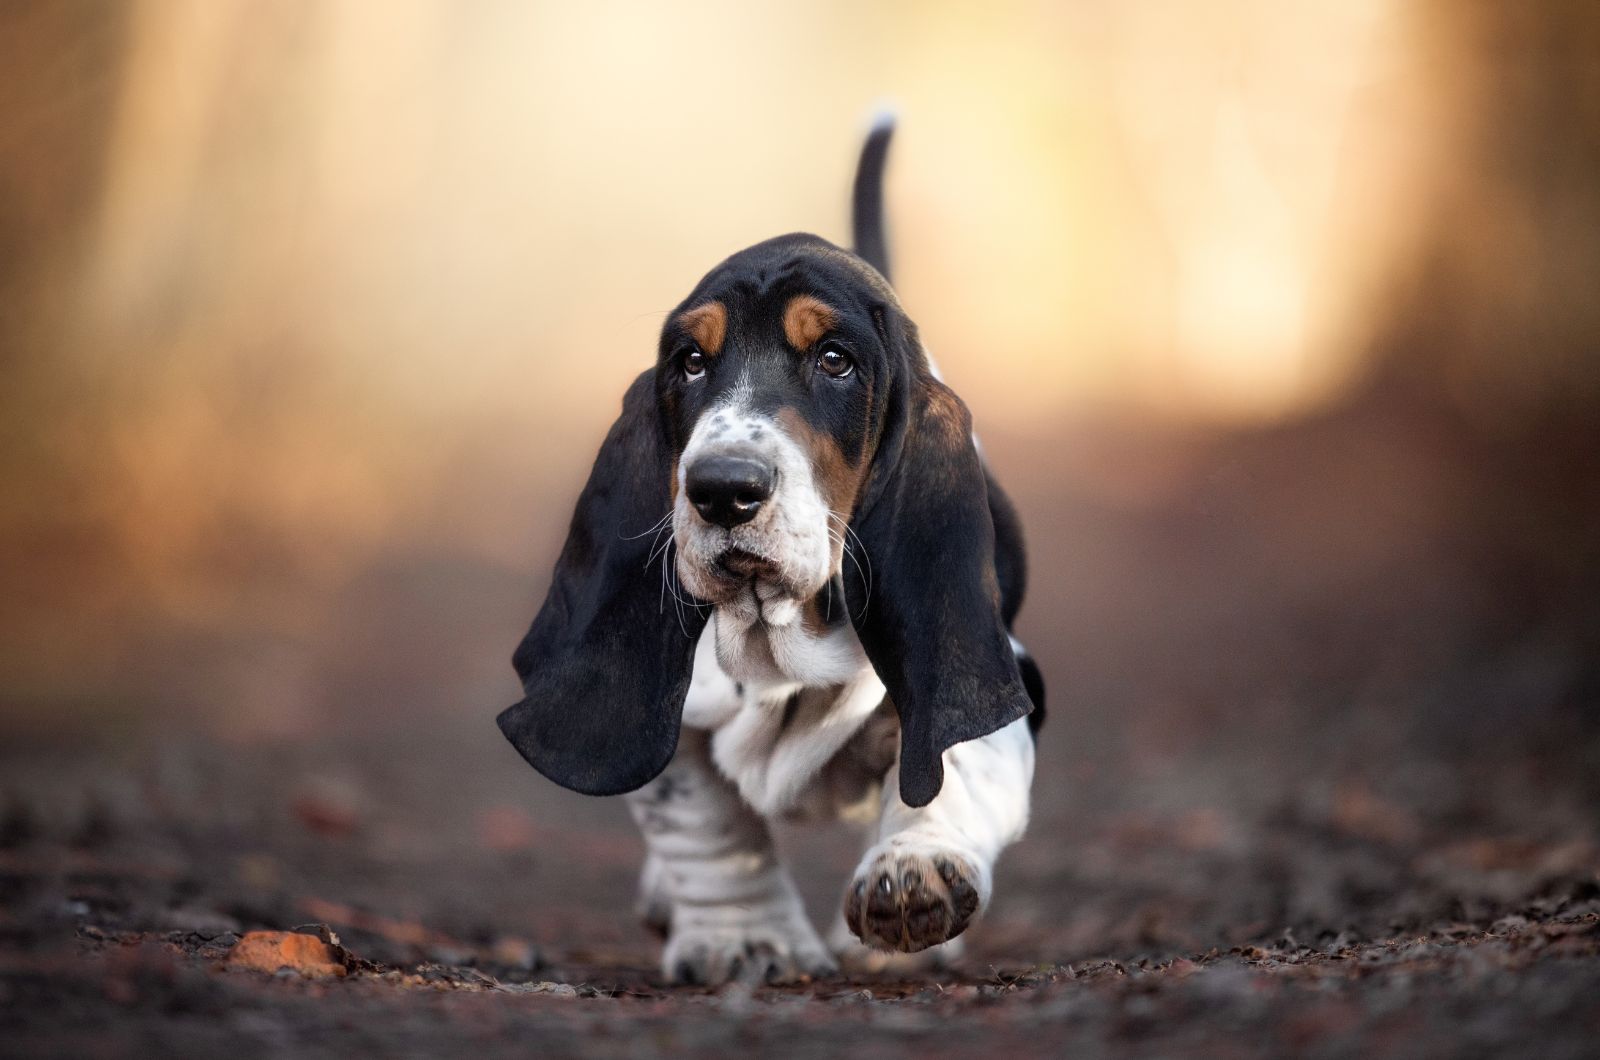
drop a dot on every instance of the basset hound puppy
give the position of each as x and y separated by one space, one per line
787 590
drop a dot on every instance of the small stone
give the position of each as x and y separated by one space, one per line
318 930
448 954
206 923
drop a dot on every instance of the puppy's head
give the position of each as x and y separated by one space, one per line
771 378
791 419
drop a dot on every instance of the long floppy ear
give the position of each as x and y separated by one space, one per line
606 666
931 623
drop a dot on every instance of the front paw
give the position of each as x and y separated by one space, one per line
783 950
909 901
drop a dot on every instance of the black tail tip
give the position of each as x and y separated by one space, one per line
866 208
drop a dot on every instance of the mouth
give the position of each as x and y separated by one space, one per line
729 571
740 566
722 566
753 586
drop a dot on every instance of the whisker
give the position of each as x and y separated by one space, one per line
834 535
680 601
661 602
865 580
654 527
848 529
657 550
865 575
677 607
669 575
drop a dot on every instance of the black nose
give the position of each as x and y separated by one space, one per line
728 490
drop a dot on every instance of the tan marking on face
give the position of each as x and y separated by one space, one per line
707 325
805 320
816 614
836 479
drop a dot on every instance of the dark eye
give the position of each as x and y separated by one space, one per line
835 361
694 364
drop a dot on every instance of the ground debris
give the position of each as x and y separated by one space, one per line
289 951
1356 918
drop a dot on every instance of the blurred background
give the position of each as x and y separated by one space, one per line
1281 322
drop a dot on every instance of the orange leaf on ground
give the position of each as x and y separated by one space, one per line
268 951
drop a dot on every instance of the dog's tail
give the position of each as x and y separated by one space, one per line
866 202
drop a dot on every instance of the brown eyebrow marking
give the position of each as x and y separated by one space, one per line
805 320
707 325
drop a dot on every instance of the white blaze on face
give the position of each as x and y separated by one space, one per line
790 532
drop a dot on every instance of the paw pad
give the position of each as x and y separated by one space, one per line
710 957
908 902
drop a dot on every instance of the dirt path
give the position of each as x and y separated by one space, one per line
1522 986
1321 776
439 916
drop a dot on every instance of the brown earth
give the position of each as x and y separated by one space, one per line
1321 776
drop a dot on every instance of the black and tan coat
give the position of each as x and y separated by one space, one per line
788 588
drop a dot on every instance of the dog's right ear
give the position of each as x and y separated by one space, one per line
606 666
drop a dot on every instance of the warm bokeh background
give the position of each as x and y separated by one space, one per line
1280 320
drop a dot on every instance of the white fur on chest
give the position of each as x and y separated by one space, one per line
791 702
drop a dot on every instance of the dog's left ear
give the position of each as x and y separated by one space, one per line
606 666
931 624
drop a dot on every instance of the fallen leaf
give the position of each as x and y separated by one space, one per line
269 951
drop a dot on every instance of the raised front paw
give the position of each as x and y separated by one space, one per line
908 900
781 951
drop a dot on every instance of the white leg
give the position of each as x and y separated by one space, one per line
931 870
734 911
654 904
